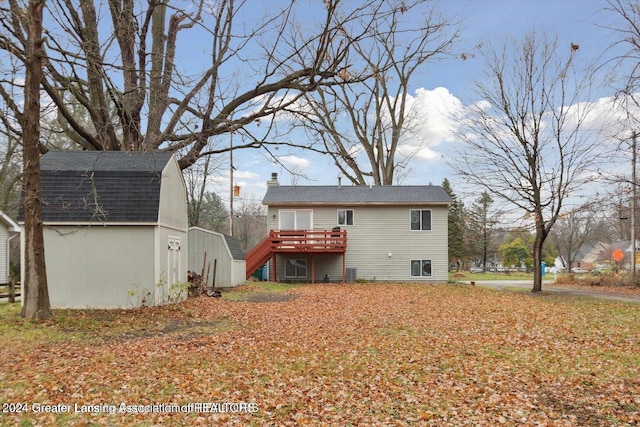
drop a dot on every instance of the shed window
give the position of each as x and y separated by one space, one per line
420 267
420 219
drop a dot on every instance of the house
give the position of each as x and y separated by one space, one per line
217 257
346 233
588 255
115 228
9 229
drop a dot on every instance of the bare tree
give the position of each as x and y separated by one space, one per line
204 208
525 142
10 161
125 64
250 223
36 304
572 231
373 115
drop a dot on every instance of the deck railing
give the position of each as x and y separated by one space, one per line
308 241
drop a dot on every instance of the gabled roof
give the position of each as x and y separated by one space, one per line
355 195
101 186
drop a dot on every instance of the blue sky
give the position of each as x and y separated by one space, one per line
444 84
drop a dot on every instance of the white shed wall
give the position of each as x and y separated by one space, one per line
100 267
173 198
4 254
228 272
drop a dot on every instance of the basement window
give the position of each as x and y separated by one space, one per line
295 268
420 268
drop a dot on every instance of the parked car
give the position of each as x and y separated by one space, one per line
475 270
578 270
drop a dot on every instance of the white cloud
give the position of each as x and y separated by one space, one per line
294 161
432 121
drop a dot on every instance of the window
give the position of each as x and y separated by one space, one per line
295 268
420 219
345 216
420 267
295 219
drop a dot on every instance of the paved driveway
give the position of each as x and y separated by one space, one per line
547 287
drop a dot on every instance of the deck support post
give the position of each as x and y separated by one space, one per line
313 269
274 266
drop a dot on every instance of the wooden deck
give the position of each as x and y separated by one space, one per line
296 241
300 241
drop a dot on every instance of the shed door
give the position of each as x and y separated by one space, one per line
174 268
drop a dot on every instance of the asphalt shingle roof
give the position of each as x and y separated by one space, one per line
234 247
345 195
101 186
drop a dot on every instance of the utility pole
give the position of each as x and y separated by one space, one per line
633 204
231 183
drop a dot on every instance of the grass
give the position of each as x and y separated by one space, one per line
358 354
467 276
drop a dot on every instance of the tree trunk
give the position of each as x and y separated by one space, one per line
537 256
35 296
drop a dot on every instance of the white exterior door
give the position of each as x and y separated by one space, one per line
299 219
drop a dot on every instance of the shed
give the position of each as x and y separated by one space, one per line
224 265
8 230
115 228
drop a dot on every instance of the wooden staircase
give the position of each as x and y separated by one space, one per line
258 256
295 241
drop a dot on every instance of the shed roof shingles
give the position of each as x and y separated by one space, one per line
93 186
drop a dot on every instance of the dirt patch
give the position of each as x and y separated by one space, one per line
269 297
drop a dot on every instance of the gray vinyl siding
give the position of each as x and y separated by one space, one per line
378 231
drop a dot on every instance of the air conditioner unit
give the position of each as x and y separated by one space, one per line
351 274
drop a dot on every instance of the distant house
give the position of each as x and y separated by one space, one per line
8 230
115 230
336 233
588 256
217 257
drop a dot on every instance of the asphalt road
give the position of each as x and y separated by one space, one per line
507 285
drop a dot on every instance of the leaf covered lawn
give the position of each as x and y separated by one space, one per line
363 354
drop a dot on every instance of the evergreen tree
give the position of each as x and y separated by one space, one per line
456 226
481 230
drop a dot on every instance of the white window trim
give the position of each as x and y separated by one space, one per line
430 220
353 217
421 260
280 211
296 259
